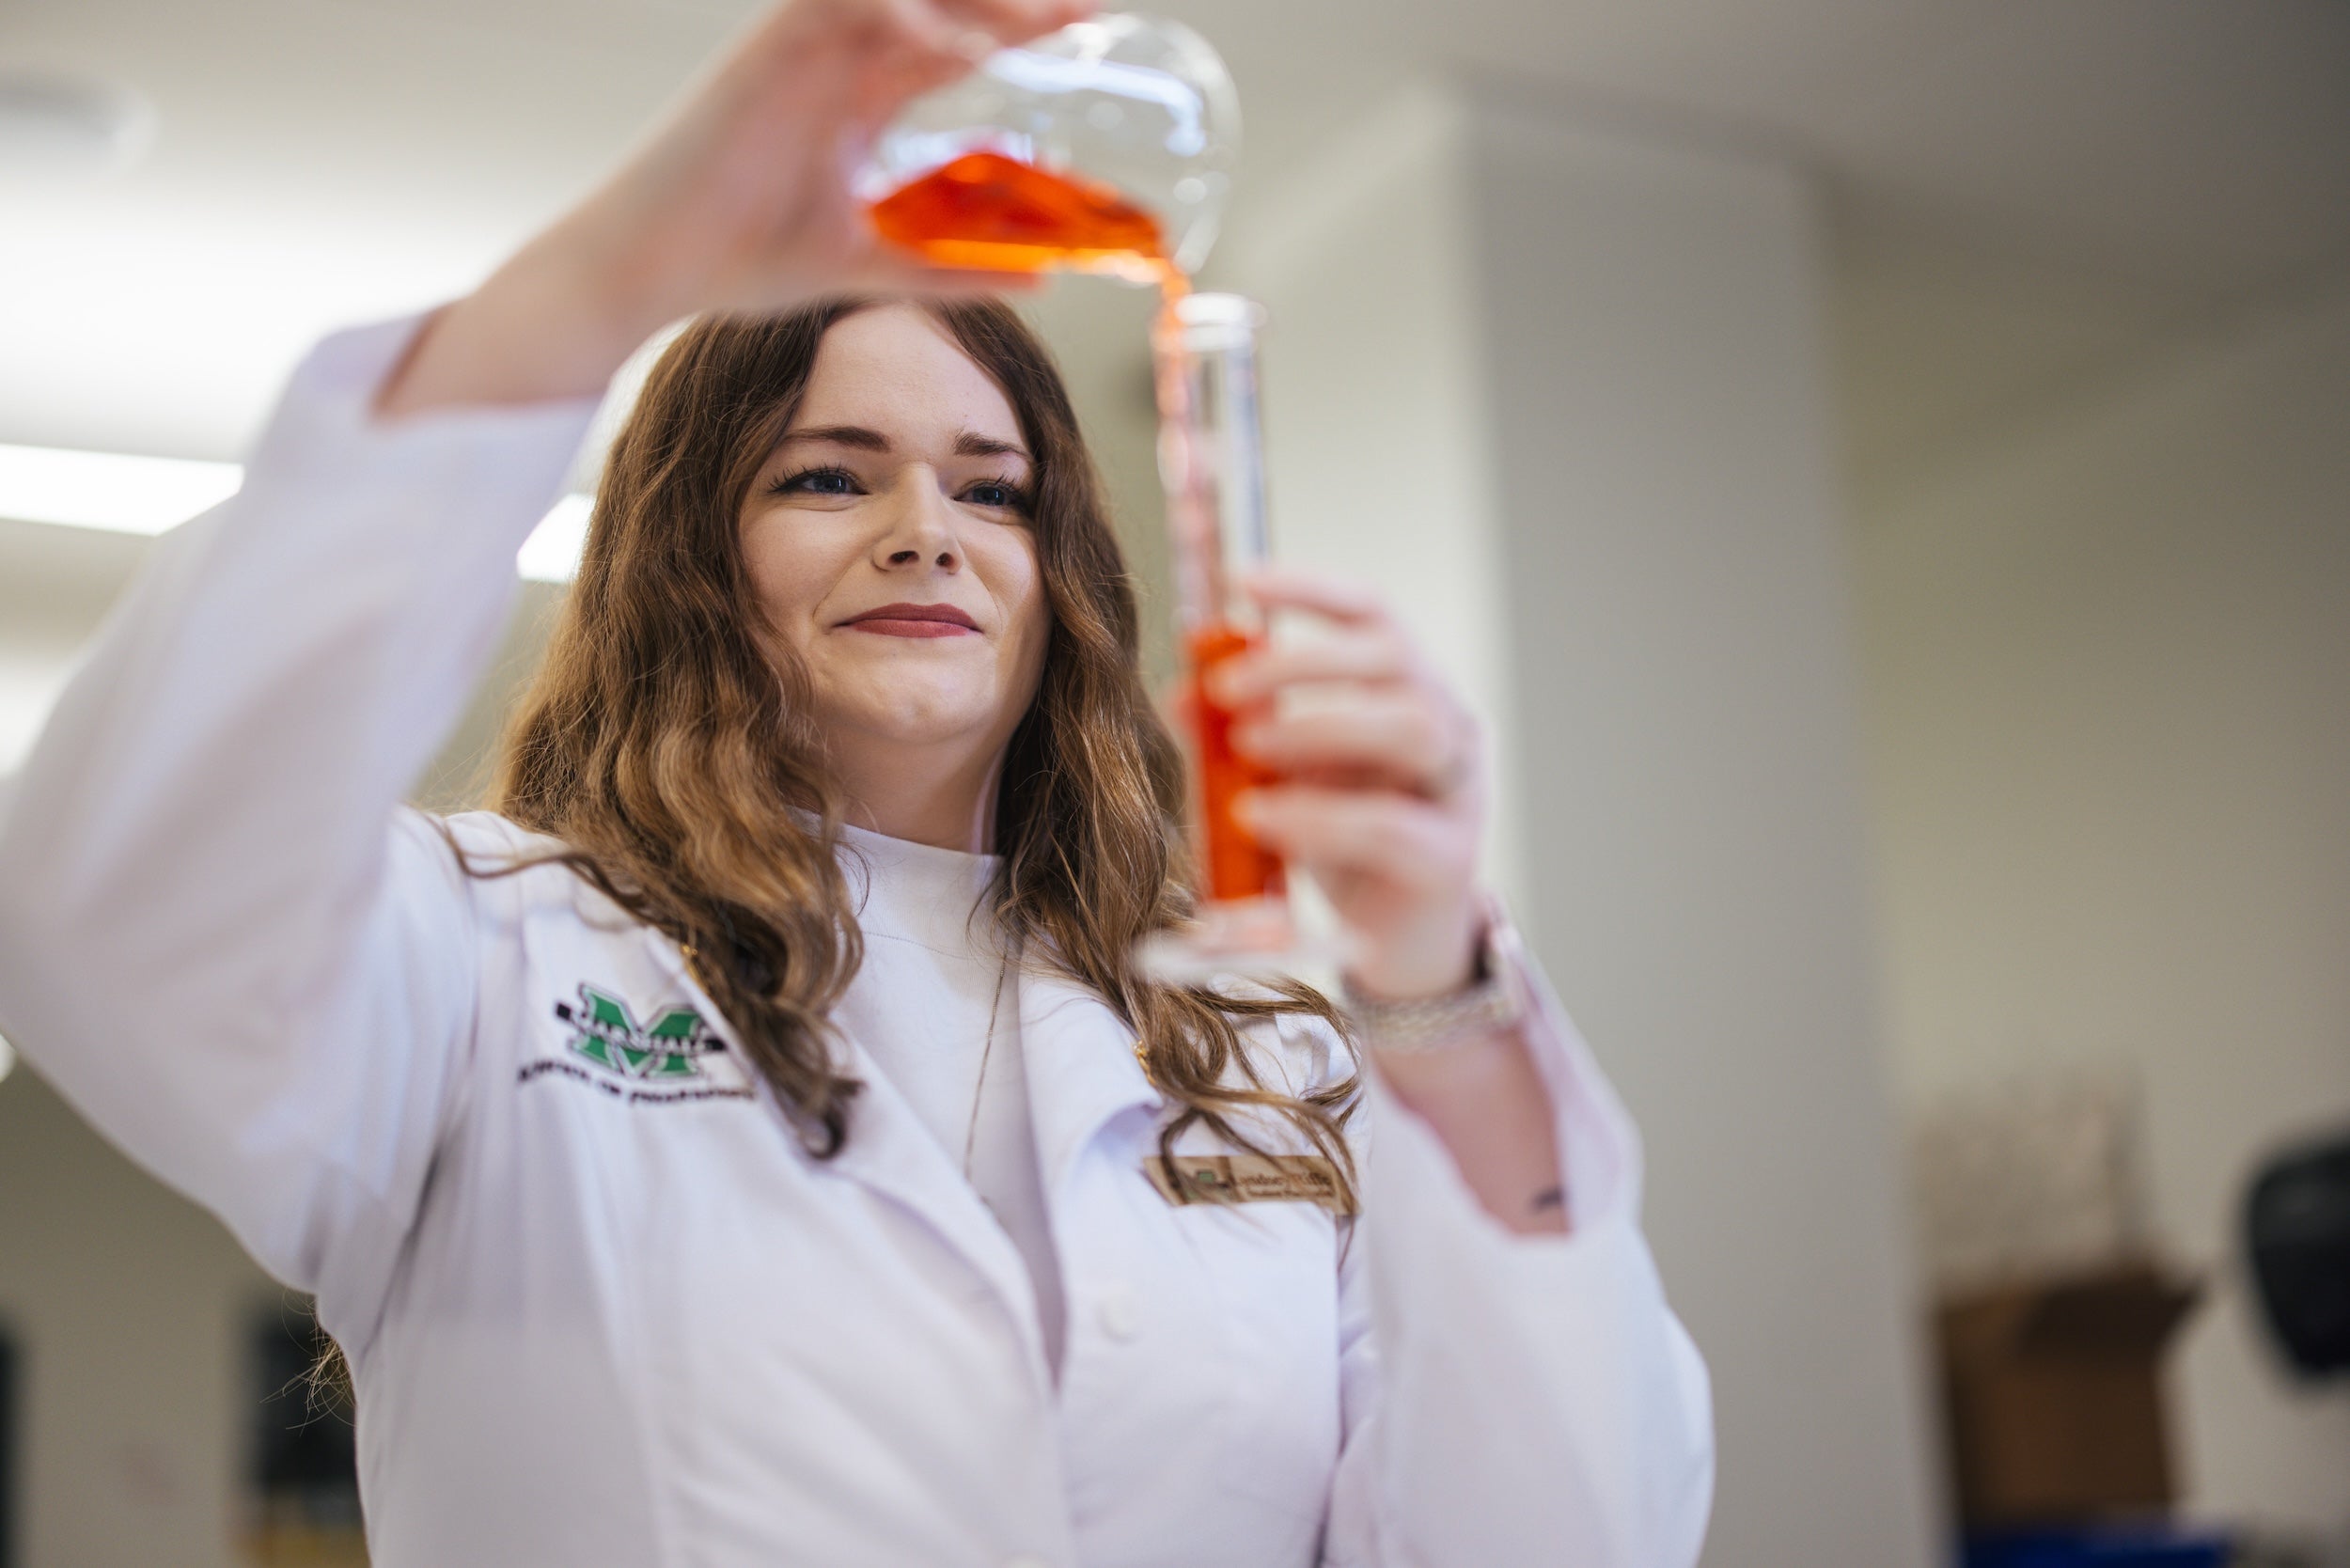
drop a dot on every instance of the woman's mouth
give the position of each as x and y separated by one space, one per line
913 620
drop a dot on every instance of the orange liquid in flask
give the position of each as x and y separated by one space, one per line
987 211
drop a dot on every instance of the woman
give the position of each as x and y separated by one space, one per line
750 1145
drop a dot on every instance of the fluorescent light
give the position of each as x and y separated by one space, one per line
109 490
551 553
129 494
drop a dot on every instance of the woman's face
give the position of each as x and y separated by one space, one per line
887 536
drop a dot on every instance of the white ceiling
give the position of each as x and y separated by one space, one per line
323 159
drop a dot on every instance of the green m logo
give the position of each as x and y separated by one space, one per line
609 1036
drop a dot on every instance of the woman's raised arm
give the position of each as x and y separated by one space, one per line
737 202
219 938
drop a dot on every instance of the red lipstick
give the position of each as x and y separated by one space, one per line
913 620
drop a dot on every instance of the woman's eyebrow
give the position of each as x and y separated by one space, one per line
841 436
971 443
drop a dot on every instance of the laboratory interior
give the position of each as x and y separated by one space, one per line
1879 470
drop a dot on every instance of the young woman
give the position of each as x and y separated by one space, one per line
751 1145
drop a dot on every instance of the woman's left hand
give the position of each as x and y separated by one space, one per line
1382 792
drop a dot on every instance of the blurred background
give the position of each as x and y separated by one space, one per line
1883 466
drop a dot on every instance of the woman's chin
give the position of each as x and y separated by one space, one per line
916 713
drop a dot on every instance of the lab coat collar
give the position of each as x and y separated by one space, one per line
1083 1073
889 1151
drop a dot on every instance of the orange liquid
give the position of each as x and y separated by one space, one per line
1237 867
988 210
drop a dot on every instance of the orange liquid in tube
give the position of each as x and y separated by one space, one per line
1237 867
984 210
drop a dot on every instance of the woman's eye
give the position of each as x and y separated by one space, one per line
998 492
817 481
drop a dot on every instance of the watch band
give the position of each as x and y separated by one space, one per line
1489 1002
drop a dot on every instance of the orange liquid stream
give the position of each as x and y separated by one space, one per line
984 210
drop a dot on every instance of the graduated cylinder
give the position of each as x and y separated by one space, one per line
1211 462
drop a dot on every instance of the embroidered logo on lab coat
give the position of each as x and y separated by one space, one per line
661 1060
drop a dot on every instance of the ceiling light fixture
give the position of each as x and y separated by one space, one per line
149 495
109 490
72 125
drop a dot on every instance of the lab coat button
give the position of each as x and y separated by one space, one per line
1119 1313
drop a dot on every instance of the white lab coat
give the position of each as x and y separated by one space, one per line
598 1318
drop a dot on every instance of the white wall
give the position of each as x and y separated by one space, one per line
1559 391
2108 664
129 1307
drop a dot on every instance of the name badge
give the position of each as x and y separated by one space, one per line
1248 1179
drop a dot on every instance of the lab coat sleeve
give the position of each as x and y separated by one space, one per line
220 939
1515 1400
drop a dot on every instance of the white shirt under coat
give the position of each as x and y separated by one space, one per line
937 1005
600 1320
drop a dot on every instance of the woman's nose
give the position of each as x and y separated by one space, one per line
921 525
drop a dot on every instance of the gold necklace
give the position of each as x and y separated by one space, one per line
987 1053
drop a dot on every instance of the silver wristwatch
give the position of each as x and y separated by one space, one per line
1490 1002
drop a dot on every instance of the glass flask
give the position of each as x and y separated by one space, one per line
1106 147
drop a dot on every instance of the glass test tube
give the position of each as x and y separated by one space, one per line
1211 462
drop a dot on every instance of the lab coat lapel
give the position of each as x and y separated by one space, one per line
892 1153
1082 1069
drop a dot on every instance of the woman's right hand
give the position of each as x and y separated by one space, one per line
739 201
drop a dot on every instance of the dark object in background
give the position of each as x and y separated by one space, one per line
303 1485
2297 1230
2053 1404
8 1449
2104 1548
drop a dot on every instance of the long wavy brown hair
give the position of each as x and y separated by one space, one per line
668 744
